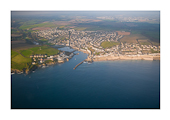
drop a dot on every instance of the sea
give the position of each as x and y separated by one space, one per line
121 84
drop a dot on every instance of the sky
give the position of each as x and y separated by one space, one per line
88 13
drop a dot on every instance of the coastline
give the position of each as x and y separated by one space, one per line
94 59
112 58
28 71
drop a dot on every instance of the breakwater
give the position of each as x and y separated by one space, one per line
78 64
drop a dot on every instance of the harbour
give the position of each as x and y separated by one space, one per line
60 86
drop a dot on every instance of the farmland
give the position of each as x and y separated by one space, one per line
132 38
20 45
44 50
13 53
18 66
144 42
20 61
41 28
26 53
107 44
48 24
80 28
155 43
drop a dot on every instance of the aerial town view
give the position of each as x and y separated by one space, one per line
67 57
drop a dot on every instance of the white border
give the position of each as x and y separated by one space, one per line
7 113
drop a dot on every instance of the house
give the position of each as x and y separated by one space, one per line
51 59
60 60
51 56
31 56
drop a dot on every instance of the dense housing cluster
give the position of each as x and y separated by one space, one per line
98 43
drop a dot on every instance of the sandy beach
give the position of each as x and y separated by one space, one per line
141 57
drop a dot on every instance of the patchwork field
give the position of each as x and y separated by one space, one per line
23 60
20 45
16 35
47 24
155 43
80 28
144 42
13 53
132 38
123 33
41 28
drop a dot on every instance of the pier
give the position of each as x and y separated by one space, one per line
78 64
86 60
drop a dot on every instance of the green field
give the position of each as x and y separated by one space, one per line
107 44
26 53
80 28
20 59
44 50
19 62
13 53
62 26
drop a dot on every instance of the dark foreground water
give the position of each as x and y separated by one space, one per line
109 84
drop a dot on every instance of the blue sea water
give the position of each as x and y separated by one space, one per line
107 84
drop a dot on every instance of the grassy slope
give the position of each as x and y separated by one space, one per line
18 66
107 44
19 62
20 59
26 53
13 53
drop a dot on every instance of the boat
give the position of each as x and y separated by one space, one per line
75 58
12 73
